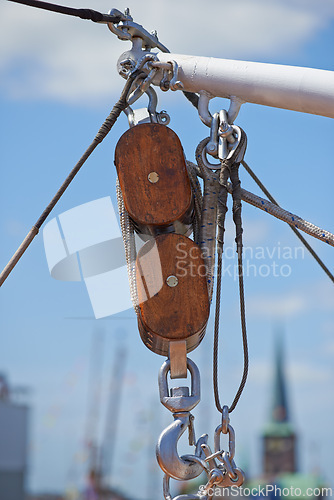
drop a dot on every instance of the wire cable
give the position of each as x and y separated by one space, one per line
297 233
89 14
104 130
232 171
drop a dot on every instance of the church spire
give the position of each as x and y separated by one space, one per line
279 410
279 438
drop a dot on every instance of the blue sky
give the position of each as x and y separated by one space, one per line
58 83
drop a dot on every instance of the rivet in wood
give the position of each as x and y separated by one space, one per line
153 177
172 281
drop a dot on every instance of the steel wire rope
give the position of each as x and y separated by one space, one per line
280 213
194 101
105 128
297 233
231 170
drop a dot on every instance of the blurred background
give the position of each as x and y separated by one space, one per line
75 389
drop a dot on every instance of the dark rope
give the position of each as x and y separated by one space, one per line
192 97
231 170
104 130
297 233
89 14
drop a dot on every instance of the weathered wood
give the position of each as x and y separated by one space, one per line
153 177
167 312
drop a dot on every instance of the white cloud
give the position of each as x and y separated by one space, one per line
306 373
46 55
315 297
260 372
296 372
285 305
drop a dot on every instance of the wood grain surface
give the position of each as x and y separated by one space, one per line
155 148
171 313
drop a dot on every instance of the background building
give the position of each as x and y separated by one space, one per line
14 415
279 438
280 447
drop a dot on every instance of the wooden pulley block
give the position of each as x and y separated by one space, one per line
153 178
172 292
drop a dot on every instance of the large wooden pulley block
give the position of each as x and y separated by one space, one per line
153 178
172 292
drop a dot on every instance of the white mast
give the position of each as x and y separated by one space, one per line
289 87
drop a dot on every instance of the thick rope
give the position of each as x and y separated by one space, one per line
280 213
127 229
104 130
198 200
192 97
91 15
291 219
297 233
208 226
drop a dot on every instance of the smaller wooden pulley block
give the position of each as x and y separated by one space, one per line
172 292
153 178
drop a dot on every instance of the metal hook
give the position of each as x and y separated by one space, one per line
180 402
171 463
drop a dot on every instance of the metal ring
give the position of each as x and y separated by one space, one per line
231 441
225 419
185 403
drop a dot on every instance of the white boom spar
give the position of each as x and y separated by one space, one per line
289 87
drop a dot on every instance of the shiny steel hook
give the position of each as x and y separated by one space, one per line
180 402
171 463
